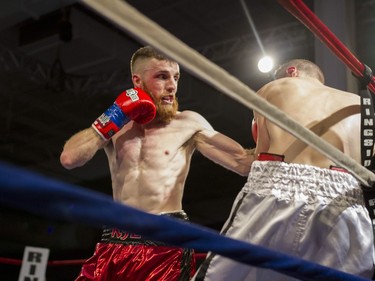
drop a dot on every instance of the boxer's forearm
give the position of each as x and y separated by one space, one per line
225 152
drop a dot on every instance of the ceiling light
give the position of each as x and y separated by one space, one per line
265 64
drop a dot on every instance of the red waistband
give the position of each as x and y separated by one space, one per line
276 157
270 157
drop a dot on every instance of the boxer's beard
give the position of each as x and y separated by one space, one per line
165 112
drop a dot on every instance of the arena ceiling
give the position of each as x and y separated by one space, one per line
55 82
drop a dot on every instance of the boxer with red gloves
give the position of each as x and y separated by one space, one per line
132 104
149 159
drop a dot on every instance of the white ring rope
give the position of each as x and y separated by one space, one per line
132 21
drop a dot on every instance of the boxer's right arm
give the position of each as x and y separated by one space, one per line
80 148
132 104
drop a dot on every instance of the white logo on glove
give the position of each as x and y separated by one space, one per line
132 94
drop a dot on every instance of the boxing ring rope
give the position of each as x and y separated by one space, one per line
130 20
44 196
299 10
10 261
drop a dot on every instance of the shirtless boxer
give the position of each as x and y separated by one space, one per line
149 158
293 202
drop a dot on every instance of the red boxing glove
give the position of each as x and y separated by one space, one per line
132 104
254 130
137 105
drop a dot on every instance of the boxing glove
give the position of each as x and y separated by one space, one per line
254 130
132 104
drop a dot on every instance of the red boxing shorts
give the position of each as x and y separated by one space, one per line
122 256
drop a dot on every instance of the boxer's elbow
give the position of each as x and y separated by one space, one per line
68 161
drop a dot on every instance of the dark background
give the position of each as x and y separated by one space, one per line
61 65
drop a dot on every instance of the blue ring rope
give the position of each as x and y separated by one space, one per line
44 196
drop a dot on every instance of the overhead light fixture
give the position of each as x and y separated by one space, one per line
265 64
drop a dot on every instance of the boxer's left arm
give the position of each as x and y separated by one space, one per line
254 130
222 149
225 151
262 141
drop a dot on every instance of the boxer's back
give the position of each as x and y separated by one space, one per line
332 114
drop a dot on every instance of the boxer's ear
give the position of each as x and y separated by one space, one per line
292 71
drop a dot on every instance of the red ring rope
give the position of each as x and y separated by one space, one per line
9 261
298 9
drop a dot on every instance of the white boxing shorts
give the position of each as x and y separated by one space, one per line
312 213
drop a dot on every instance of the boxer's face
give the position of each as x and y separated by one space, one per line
160 79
